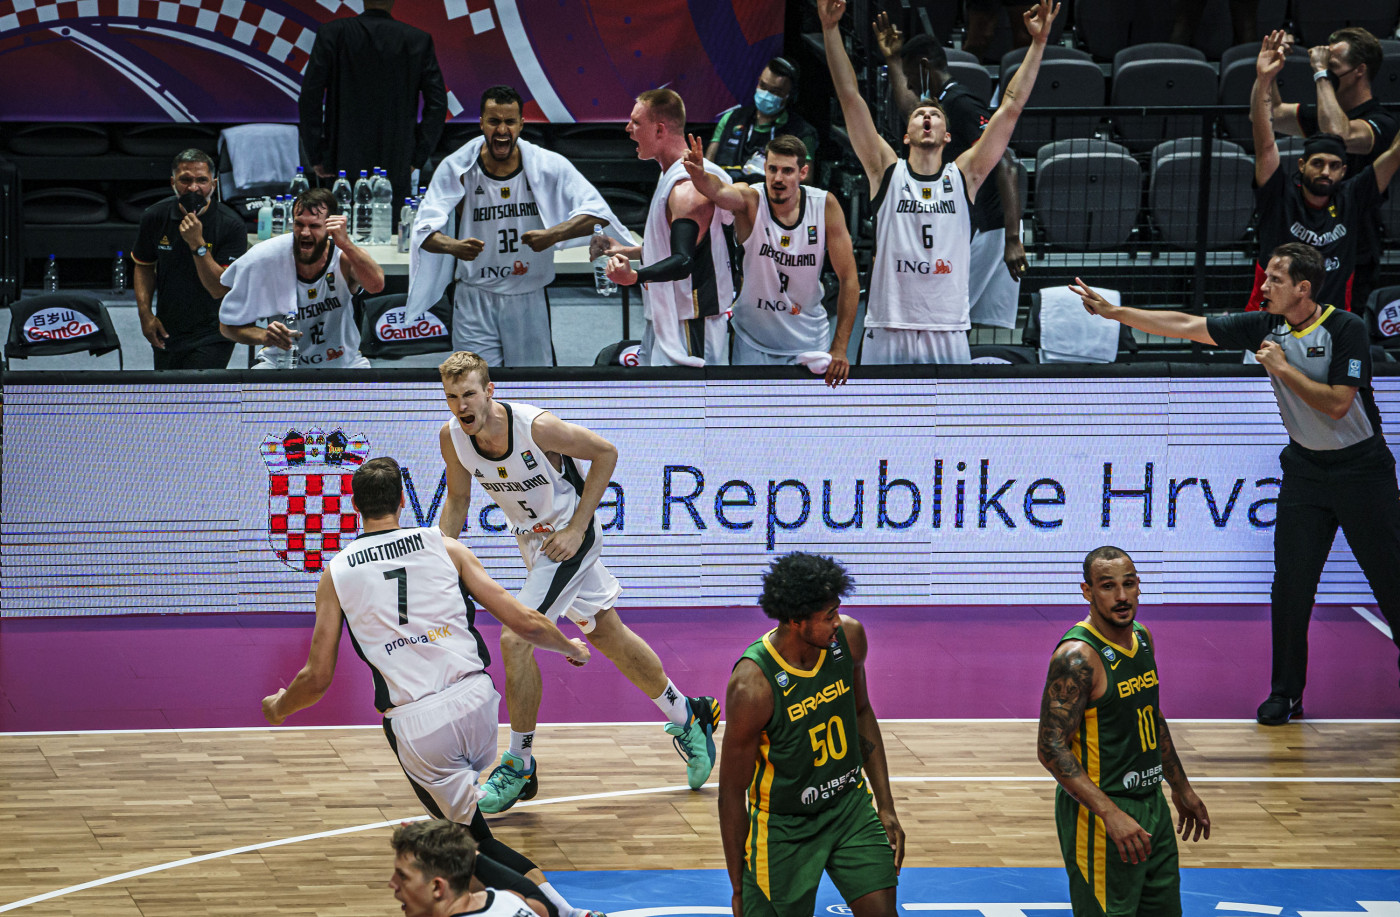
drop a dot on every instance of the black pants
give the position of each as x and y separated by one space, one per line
207 355
1356 489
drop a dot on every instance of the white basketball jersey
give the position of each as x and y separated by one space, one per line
535 498
408 615
709 290
326 319
779 309
500 904
498 211
923 242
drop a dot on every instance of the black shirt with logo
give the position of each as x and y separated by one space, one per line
1334 230
1384 127
967 119
186 310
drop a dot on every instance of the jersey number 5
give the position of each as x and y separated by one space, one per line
400 574
828 741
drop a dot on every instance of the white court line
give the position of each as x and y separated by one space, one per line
590 797
1249 908
1377 622
1204 721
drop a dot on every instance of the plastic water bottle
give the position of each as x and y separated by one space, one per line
601 282
364 201
265 219
51 275
290 355
299 185
341 190
407 215
381 209
119 273
279 215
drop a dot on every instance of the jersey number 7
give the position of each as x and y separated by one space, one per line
400 574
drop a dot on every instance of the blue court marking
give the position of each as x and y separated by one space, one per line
1007 892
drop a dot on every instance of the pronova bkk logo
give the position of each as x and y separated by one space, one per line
310 516
58 324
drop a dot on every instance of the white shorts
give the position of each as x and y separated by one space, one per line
909 345
742 353
715 330
993 293
577 588
503 329
445 740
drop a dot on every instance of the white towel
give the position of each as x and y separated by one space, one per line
1069 334
261 283
261 153
815 360
560 190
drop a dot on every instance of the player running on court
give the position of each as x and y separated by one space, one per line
524 457
802 756
401 595
1104 738
786 230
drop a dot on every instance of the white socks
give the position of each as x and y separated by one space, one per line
672 703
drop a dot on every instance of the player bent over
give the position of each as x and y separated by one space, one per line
800 743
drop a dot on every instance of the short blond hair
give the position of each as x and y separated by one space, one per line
666 107
463 363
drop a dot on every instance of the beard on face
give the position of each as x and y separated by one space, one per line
1320 186
317 252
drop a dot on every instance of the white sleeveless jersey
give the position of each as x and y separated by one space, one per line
326 319
500 904
779 309
923 242
535 498
498 211
709 290
408 614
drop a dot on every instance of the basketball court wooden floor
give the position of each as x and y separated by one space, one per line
293 821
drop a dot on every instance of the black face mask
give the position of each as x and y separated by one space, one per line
192 201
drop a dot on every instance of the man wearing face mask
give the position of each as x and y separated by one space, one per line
182 248
1319 205
744 131
492 217
1344 70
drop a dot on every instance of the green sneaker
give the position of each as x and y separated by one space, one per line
508 784
696 740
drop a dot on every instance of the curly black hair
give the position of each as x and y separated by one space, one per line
800 584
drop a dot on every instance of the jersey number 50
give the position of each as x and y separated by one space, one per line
828 741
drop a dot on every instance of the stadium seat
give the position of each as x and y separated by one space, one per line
1155 50
1316 20
1237 80
384 335
165 140
1077 146
1174 195
1062 84
59 139
1182 83
52 324
1108 26
974 76
1012 59
1385 86
1087 200
1071 326
958 55
1192 145
1390 213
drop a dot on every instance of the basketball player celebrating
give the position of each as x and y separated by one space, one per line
311 272
785 230
1103 737
688 281
399 591
524 457
511 202
917 311
799 745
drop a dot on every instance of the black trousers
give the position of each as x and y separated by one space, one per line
208 355
1355 488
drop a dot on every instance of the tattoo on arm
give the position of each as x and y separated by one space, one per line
867 748
1172 770
1067 690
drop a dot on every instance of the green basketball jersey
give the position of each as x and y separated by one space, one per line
809 753
1117 741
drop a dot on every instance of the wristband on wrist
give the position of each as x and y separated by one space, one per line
1319 75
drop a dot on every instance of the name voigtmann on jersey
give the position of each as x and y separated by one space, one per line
391 551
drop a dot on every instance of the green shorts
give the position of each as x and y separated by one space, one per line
787 854
1100 883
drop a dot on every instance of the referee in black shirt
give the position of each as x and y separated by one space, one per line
1337 469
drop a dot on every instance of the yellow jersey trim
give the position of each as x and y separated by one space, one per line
1308 330
791 670
1129 652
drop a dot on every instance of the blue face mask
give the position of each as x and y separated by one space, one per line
768 103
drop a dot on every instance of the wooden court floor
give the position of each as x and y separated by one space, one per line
76 809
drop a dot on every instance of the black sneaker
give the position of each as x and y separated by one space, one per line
1277 710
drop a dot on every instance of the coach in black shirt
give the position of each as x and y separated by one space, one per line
181 250
369 72
1337 468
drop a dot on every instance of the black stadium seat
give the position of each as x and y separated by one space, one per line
1184 83
1061 83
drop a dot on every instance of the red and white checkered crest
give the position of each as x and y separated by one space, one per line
310 516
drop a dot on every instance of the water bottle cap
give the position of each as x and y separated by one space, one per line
364 173
52 257
119 254
342 173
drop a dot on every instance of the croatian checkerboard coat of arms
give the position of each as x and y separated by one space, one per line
310 516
